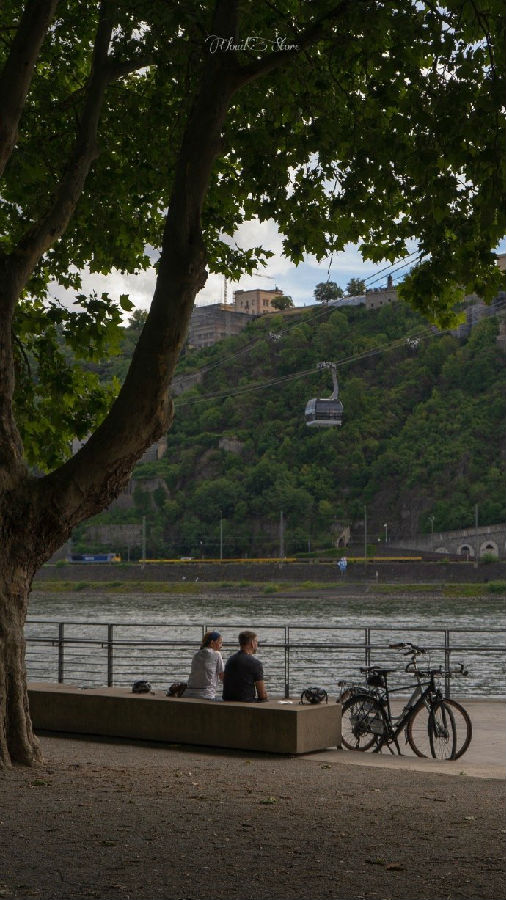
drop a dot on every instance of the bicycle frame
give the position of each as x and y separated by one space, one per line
417 699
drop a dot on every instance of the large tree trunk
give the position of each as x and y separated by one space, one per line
17 740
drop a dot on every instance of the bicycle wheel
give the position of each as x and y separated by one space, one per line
363 722
431 731
442 731
463 726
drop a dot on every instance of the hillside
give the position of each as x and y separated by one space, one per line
422 435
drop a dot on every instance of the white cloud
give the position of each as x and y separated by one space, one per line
296 281
139 287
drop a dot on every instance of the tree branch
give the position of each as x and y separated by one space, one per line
16 75
316 32
50 227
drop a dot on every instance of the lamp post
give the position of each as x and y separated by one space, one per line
365 536
385 526
476 538
221 535
143 541
431 520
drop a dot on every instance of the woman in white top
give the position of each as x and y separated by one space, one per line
207 668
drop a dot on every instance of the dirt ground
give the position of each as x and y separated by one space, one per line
116 820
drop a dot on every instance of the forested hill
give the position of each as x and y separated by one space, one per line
422 435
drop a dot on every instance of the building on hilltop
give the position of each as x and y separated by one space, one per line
476 310
256 302
212 323
216 321
376 297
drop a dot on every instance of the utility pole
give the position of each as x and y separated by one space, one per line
431 520
143 541
221 535
365 536
476 538
281 536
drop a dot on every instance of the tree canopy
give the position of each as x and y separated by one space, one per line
355 287
283 302
387 130
326 291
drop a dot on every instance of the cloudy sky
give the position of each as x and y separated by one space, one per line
296 281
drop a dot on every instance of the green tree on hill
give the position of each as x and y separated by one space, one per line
283 302
355 287
326 291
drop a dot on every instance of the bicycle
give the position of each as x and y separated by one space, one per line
428 720
463 725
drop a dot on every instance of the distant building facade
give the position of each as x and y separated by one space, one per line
376 297
216 321
212 323
256 302
476 310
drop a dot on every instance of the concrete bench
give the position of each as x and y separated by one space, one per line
272 727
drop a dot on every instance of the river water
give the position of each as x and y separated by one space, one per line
155 635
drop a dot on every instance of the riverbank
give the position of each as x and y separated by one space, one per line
146 822
438 572
284 589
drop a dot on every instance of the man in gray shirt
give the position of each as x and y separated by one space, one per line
243 678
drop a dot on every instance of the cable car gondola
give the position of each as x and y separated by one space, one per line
325 412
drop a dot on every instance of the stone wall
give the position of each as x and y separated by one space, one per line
466 542
408 572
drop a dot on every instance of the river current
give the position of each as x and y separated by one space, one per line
154 635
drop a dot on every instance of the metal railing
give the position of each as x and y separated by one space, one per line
115 654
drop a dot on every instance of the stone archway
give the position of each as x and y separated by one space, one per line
441 550
466 550
489 547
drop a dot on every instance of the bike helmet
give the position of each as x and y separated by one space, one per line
141 687
177 689
314 695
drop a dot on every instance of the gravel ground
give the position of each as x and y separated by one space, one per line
115 820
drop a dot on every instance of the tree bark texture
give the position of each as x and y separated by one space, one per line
17 740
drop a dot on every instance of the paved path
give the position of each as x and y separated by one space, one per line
485 758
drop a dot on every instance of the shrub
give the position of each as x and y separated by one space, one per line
496 587
489 558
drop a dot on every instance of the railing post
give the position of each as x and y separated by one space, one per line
367 648
110 655
447 662
61 646
287 662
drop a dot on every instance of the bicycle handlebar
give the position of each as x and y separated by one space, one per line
409 647
428 673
